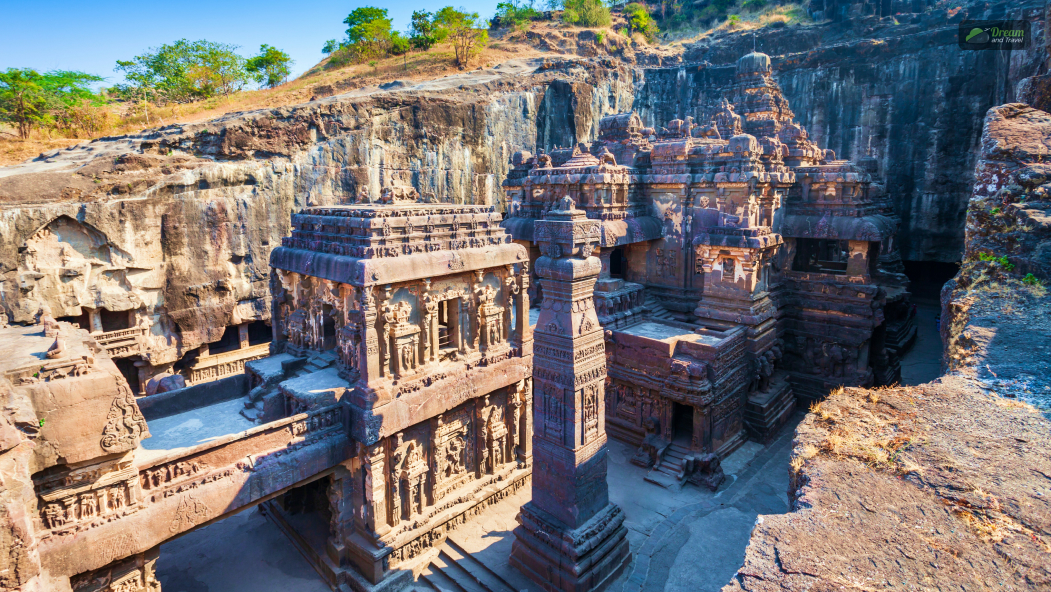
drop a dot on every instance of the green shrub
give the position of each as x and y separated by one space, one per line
640 21
1031 280
1001 261
586 13
516 15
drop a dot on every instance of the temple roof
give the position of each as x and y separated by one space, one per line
754 62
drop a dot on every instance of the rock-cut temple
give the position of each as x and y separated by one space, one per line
678 288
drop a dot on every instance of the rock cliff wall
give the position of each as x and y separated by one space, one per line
175 226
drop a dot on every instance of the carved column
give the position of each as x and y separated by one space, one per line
522 329
369 362
386 322
570 538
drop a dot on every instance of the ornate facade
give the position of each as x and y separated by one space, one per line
424 310
742 266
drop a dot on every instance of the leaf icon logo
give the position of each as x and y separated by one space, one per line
977 36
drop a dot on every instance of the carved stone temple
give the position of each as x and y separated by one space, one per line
686 284
570 538
742 267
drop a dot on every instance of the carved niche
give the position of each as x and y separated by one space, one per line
454 451
408 477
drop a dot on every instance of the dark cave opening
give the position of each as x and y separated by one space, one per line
928 277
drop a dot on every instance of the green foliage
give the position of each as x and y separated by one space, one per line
399 44
734 21
368 32
331 46
182 71
1001 261
600 37
424 33
271 67
640 21
1031 280
994 211
58 99
586 13
464 30
516 14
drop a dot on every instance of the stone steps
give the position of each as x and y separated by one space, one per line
456 570
656 310
670 472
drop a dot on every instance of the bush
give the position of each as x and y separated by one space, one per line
1031 280
516 15
586 13
640 21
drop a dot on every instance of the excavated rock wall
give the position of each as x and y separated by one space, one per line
903 91
177 225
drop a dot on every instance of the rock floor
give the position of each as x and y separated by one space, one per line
686 540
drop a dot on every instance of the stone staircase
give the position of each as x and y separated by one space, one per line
456 570
253 403
670 472
656 310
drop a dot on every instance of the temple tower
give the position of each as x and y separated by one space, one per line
570 538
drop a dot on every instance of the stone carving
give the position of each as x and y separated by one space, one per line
125 425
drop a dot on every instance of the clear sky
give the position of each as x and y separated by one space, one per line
92 35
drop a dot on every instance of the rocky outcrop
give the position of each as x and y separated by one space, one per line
946 485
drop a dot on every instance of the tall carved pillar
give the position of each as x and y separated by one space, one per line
570 537
369 362
522 329
386 322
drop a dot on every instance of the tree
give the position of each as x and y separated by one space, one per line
464 31
424 33
514 13
23 100
271 67
640 21
29 99
586 13
368 31
331 46
182 71
218 67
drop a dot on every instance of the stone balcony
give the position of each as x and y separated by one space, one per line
214 367
122 342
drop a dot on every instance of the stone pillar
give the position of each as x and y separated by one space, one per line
96 320
522 329
203 351
369 360
242 334
570 538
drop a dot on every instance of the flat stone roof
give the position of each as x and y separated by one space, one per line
663 332
26 345
196 426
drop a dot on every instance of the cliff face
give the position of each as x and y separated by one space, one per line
946 485
175 227
902 92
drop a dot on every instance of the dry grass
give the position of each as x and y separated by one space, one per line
746 21
859 427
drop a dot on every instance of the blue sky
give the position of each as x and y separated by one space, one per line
91 36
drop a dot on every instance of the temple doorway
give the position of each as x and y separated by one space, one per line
616 263
682 423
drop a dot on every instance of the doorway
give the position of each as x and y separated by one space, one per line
682 424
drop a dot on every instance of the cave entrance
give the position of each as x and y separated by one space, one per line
259 332
682 424
230 341
130 372
927 277
617 263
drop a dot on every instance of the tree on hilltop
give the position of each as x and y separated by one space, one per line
30 99
368 31
465 31
271 67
